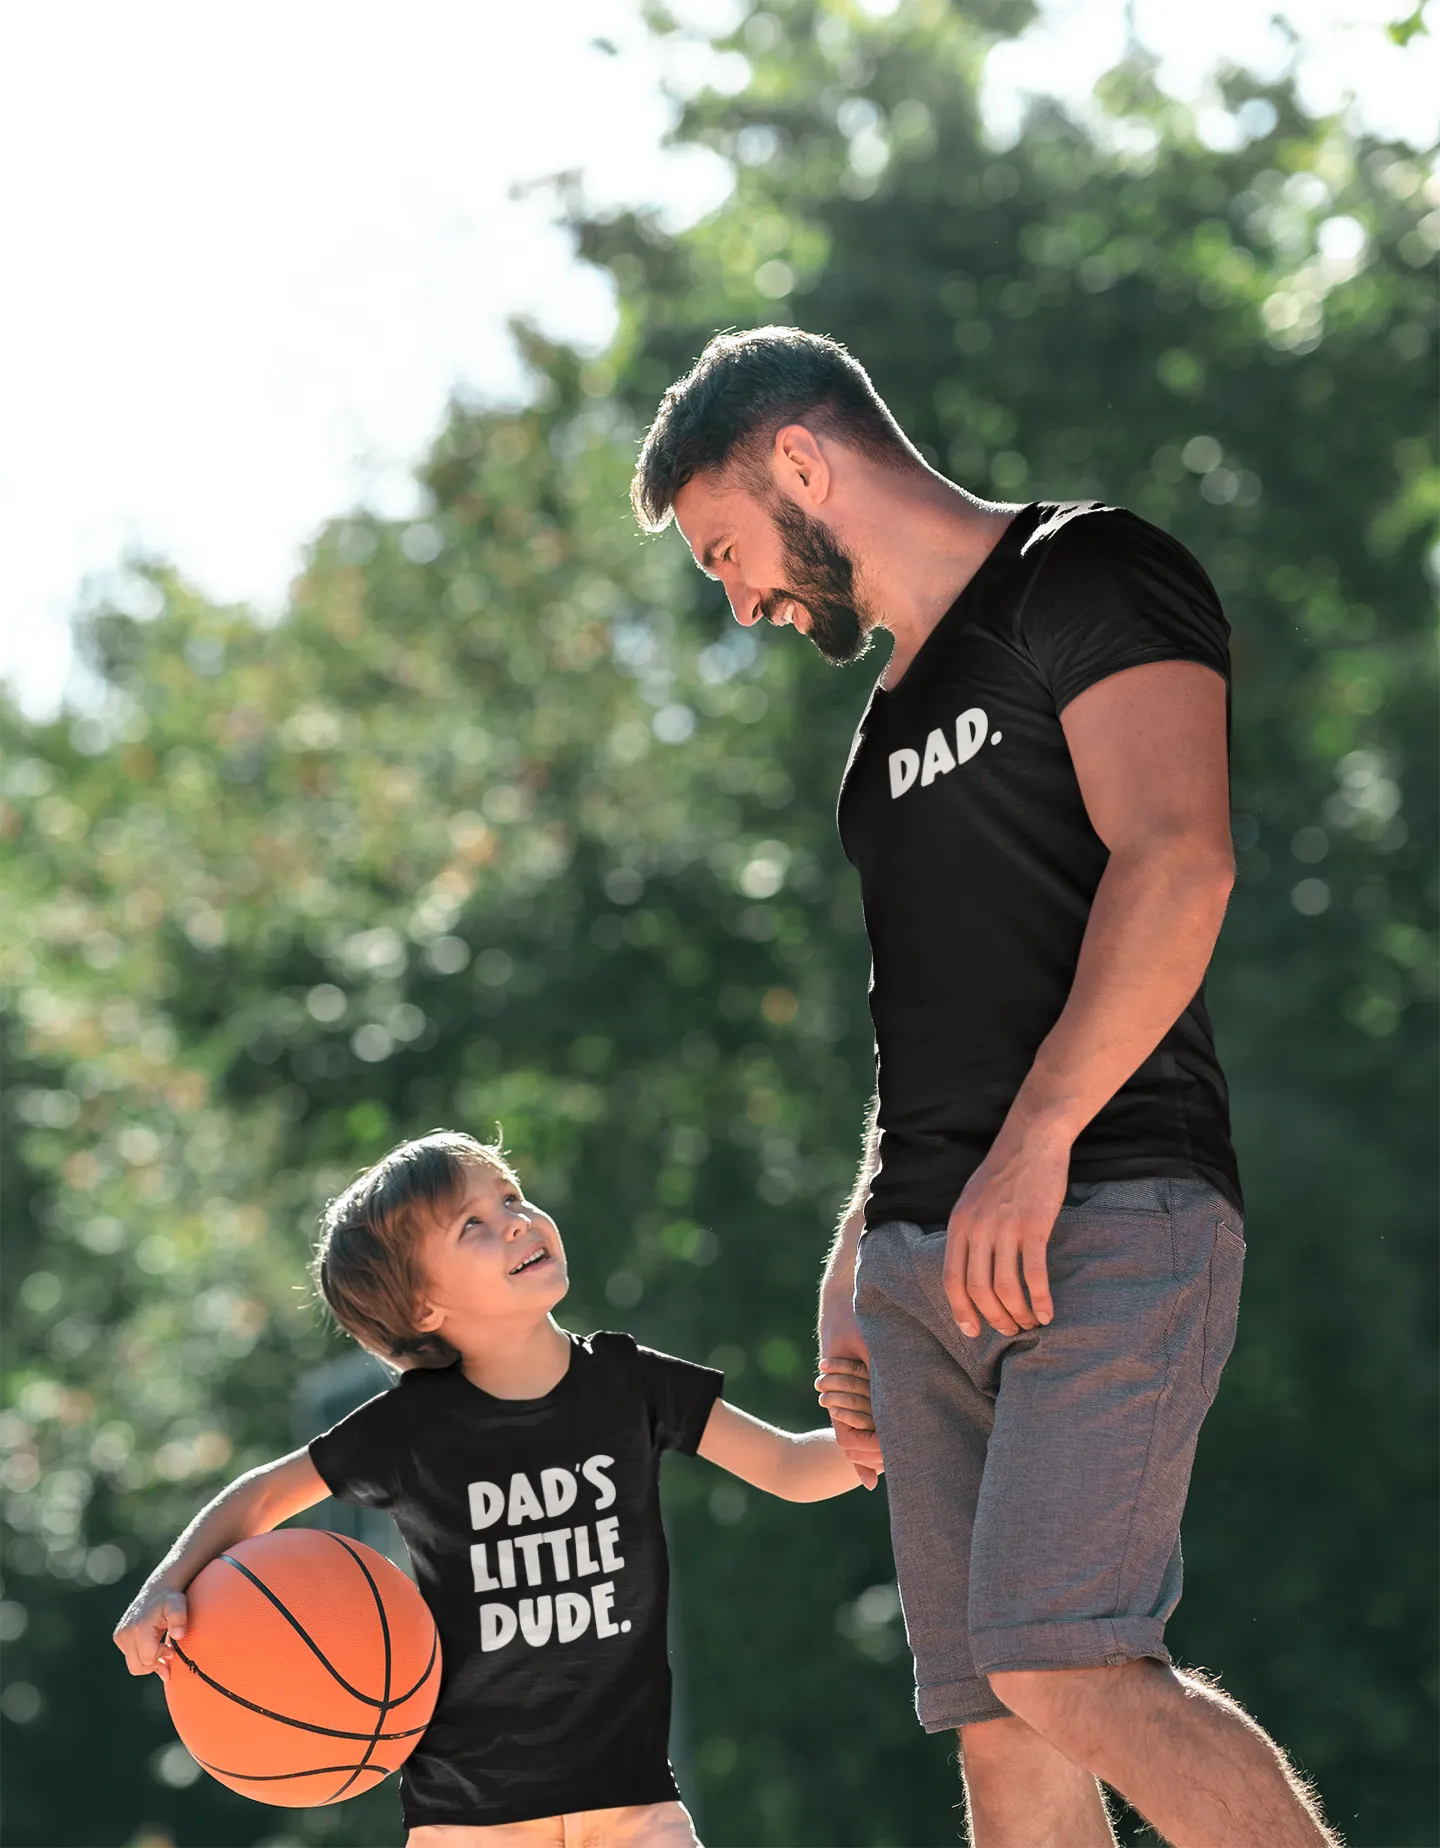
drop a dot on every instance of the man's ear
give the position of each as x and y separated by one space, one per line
800 465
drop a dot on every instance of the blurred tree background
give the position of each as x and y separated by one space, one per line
505 821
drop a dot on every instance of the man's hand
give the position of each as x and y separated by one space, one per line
843 1384
843 1381
998 1232
143 1634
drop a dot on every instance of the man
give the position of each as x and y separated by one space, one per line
1048 1215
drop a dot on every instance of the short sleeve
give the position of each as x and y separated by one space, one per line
359 1459
1115 592
680 1395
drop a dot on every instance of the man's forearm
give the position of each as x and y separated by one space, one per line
1152 929
838 1279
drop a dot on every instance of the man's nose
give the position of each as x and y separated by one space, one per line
745 607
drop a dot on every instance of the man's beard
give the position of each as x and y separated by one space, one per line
822 577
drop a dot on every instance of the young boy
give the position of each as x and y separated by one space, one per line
514 1457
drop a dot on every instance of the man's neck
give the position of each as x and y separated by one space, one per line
511 1362
927 539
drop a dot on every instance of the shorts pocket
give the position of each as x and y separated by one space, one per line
1227 1264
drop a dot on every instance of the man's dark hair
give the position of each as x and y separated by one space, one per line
366 1263
741 390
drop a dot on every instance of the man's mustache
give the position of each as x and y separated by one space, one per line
771 605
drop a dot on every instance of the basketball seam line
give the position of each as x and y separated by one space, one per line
331 1732
385 1633
272 1777
369 1700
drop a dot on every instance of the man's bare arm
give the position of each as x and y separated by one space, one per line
842 1347
1148 747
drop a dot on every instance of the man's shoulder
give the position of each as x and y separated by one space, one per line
1077 545
1084 530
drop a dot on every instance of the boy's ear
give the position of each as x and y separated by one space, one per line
427 1318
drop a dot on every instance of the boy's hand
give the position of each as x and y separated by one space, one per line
843 1384
142 1633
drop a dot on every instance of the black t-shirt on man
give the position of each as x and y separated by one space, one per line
534 1529
961 811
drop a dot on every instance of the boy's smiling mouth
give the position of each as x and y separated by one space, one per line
540 1256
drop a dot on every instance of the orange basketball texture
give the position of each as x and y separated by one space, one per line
308 1670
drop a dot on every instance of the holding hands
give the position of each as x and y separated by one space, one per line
843 1384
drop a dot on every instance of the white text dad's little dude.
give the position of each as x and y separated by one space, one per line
564 1553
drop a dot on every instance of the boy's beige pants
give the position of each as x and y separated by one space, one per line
647 1825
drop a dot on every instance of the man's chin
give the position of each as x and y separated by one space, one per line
841 650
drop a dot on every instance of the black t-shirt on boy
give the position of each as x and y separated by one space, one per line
534 1529
961 811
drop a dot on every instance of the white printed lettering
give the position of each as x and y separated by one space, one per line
524 1502
505 1560
536 1616
480 1566
970 730
558 1541
529 1545
603 1597
904 768
487 1503
497 1626
938 759
572 1616
584 1563
559 1488
608 1533
593 1470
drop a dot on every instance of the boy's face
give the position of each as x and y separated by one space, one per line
488 1256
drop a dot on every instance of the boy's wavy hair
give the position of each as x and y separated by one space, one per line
366 1263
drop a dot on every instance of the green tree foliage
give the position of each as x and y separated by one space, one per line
504 821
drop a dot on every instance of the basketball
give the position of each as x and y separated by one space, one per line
308 1670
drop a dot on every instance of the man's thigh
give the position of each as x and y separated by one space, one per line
934 1426
1075 1557
1036 1481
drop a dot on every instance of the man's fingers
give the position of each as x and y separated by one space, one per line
980 1287
859 1418
843 1363
1008 1286
957 1254
1037 1279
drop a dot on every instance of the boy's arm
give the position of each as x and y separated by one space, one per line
803 1466
253 1504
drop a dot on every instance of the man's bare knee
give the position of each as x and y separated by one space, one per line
1068 1706
1003 1741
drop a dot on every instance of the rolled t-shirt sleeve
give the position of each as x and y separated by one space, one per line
359 1459
681 1395
1114 593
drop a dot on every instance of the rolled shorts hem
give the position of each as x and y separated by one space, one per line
952 1704
1087 1642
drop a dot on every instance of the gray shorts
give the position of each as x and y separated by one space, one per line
1036 1481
